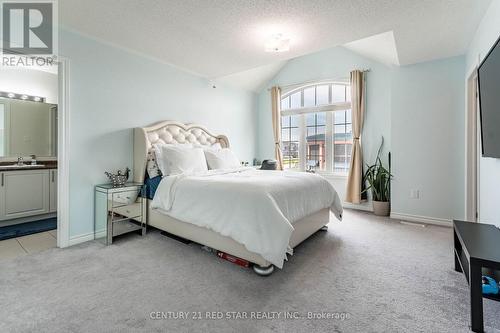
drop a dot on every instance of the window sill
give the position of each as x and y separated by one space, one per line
324 174
333 175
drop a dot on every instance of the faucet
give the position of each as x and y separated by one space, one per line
33 159
20 161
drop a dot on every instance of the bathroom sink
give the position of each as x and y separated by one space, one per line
21 166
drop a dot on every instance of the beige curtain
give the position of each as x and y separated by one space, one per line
276 103
355 177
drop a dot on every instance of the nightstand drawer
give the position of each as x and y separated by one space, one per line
126 197
133 210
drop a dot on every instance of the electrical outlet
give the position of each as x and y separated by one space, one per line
414 194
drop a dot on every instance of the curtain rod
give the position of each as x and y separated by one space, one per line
314 81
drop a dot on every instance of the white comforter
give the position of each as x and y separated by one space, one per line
255 208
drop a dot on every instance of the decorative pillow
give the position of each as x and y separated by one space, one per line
221 159
176 159
152 166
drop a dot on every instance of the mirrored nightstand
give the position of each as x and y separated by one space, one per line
118 210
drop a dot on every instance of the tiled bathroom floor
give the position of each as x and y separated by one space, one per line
16 247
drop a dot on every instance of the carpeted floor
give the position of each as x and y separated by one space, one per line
382 276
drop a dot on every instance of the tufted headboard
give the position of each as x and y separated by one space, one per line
171 132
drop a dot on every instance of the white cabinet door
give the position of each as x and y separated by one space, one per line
53 190
24 193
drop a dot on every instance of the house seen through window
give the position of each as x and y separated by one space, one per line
316 128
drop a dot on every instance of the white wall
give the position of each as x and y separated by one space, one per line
30 82
489 168
112 91
428 139
334 63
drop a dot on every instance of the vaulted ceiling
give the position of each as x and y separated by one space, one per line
217 38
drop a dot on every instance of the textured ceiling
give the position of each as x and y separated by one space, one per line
217 38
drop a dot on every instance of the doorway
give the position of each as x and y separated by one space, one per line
35 218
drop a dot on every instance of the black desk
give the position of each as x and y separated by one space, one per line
477 245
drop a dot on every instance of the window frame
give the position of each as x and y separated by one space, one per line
329 110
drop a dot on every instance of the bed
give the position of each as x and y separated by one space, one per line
172 132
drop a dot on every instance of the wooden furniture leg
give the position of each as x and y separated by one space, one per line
476 299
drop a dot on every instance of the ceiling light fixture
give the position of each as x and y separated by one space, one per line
277 43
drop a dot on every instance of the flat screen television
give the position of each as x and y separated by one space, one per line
489 101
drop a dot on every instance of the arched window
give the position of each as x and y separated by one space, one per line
316 128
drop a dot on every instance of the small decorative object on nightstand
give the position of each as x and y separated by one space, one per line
118 210
118 179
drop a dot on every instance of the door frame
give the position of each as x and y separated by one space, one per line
63 127
472 150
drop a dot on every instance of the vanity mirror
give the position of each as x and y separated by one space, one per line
27 128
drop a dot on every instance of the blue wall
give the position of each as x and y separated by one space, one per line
428 131
112 91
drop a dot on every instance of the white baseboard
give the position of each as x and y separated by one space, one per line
422 219
365 206
86 237
81 239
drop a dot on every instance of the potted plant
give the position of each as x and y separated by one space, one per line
378 179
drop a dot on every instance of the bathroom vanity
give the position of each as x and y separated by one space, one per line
28 191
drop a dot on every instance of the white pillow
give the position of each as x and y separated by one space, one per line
221 159
154 160
215 146
151 165
176 159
